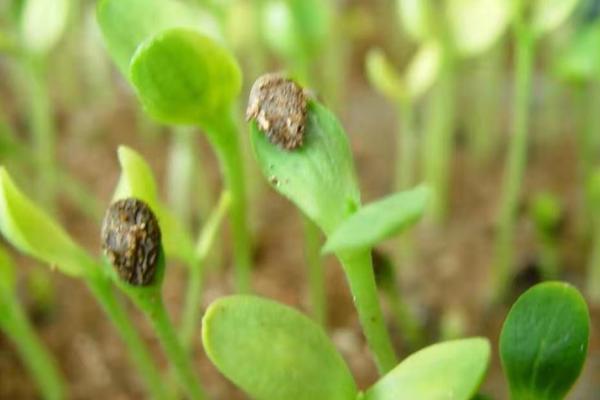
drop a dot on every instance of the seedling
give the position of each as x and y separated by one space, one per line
302 363
531 21
547 215
33 233
544 341
183 76
319 178
15 324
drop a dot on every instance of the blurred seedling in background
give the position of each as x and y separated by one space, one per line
546 213
35 234
531 20
318 177
17 327
183 76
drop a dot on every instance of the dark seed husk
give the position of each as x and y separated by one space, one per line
279 106
131 240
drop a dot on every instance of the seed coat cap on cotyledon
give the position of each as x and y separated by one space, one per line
279 106
131 240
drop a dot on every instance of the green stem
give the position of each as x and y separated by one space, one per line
359 272
154 309
405 163
40 363
316 272
223 135
516 162
42 127
101 287
181 173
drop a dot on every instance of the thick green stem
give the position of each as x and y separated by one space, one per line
42 128
181 173
101 287
516 163
38 361
154 309
191 312
223 135
359 272
316 272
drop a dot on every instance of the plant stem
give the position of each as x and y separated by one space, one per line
181 173
42 127
101 287
405 163
359 272
223 135
40 363
516 162
316 272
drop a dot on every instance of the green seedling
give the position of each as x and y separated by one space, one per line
457 29
302 363
312 166
34 233
547 214
183 76
544 342
15 324
531 20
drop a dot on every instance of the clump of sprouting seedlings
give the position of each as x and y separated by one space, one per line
546 213
34 233
183 76
455 29
319 178
15 324
540 358
304 364
530 22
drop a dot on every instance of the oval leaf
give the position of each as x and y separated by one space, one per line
544 341
138 181
32 232
476 25
548 15
182 76
423 69
450 370
318 176
379 221
273 352
43 23
383 76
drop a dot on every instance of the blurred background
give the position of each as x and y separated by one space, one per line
451 92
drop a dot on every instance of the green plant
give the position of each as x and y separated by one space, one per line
14 323
183 76
547 214
318 176
530 22
303 363
544 341
33 233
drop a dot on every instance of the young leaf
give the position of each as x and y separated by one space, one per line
416 17
138 181
378 221
383 75
319 176
449 370
273 352
476 25
32 232
423 69
547 15
43 23
182 76
544 341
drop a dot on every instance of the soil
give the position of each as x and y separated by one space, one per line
446 277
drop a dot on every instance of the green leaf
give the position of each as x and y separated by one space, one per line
547 15
32 232
7 273
319 176
544 341
182 76
125 24
43 23
476 25
273 352
138 181
546 211
383 76
416 17
378 221
450 370
579 61
423 69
